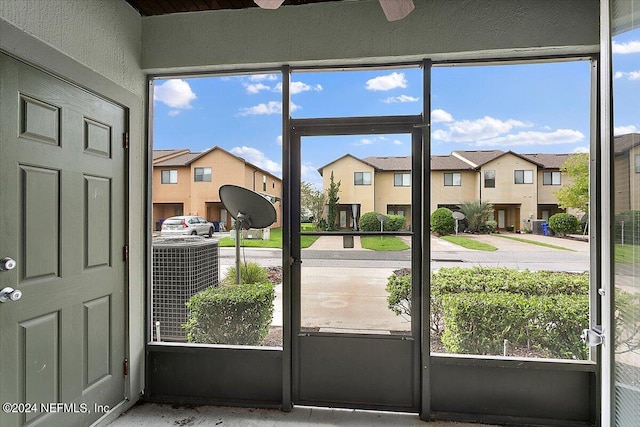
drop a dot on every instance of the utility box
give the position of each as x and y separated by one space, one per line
347 241
182 267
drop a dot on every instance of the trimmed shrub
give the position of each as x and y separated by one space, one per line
236 314
250 272
552 303
489 227
563 224
442 222
479 323
369 222
399 299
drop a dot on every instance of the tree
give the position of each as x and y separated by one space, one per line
312 200
332 196
576 193
476 213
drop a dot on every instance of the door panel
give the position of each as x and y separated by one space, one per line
62 220
349 349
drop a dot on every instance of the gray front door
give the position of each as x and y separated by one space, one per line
62 219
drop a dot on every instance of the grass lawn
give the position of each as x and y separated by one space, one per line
386 243
627 254
468 243
533 242
275 241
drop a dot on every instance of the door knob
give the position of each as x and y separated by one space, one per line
10 294
7 264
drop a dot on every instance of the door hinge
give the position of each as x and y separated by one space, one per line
125 253
125 140
125 367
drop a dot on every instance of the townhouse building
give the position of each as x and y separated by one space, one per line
521 187
627 171
187 183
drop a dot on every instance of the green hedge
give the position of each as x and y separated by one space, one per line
369 222
476 309
479 323
235 314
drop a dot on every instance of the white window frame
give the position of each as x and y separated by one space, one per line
171 174
453 179
202 175
527 176
554 178
362 178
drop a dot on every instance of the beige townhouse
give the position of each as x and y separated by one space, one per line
627 171
187 183
521 187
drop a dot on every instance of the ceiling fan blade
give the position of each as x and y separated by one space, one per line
395 10
269 4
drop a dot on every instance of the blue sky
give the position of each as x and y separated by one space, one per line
530 108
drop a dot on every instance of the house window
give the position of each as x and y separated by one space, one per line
523 177
169 176
402 179
489 179
551 178
362 178
202 174
452 179
637 157
264 183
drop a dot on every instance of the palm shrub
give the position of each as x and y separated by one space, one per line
563 224
442 222
477 213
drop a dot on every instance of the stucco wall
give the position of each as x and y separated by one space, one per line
343 172
467 191
357 32
104 35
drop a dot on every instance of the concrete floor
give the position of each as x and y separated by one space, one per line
156 415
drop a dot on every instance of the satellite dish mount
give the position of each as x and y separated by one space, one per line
249 209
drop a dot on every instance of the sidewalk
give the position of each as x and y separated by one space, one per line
334 243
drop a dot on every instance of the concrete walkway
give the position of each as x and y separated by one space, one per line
156 415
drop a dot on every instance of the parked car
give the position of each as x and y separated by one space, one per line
186 225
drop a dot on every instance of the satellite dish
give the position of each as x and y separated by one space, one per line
458 215
382 218
249 209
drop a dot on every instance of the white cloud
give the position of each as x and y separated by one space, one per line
365 141
391 81
397 142
175 93
272 107
400 99
309 173
256 88
625 48
475 130
298 87
581 150
173 113
559 136
439 115
631 75
622 130
279 140
258 158
263 77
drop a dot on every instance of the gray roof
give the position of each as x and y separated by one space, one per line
389 163
163 153
480 157
624 143
548 161
181 160
448 163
